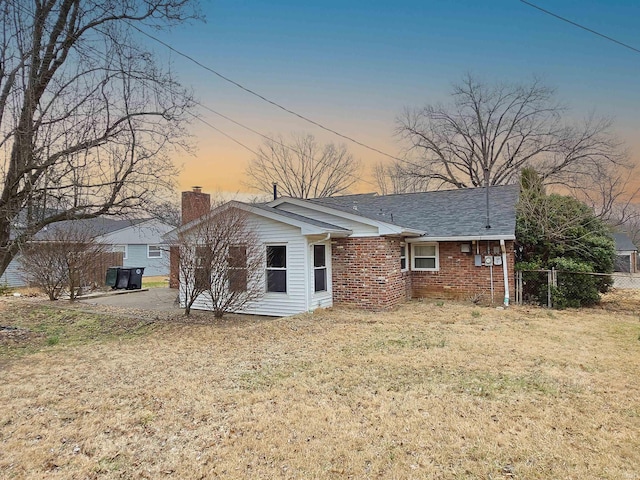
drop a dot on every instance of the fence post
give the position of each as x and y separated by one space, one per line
549 281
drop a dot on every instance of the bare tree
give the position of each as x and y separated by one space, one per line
167 211
223 260
62 260
88 120
302 168
497 130
610 192
394 178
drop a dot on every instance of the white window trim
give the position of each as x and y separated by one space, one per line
406 259
325 268
159 250
124 252
268 268
413 257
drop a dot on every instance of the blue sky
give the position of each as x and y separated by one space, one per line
354 65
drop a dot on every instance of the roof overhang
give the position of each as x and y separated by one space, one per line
462 238
273 214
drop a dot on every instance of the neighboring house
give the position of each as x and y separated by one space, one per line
375 251
626 254
139 240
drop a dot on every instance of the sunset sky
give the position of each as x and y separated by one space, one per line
354 65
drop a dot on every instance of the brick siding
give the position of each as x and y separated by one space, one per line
366 274
194 204
459 278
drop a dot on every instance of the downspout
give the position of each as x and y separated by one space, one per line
505 272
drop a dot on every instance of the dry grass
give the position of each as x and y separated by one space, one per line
427 391
158 281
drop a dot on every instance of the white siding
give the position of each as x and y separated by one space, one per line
12 276
358 228
278 304
137 257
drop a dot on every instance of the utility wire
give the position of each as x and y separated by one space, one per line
205 122
581 26
248 90
198 117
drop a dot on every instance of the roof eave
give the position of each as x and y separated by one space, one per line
461 238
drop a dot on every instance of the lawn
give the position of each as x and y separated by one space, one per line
430 390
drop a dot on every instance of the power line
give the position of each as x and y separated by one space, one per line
266 137
581 26
197 117
262 97
205 122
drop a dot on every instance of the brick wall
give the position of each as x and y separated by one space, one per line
174 267
458 278
194 204
366 273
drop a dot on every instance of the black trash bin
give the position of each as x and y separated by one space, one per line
123 278
112 277
135 278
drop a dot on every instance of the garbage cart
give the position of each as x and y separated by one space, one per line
129 278
112 277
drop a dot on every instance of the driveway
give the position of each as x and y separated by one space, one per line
153 299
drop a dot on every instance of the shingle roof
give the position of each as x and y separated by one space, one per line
96 226
443 213
623 242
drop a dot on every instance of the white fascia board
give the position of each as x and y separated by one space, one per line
426 238
384 228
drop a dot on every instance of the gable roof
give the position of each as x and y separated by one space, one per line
300 218
441 214
437 215
624 243
308 226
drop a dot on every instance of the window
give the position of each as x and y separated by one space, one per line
319 268
121 248
403 257
154 251
277 268
202 271
425 256
237 272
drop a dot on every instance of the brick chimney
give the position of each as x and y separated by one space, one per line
194 204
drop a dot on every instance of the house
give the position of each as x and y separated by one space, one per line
375 251
139 240
626 254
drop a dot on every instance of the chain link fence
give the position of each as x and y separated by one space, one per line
556 288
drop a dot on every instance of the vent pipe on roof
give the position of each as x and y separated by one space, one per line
486 184
275 191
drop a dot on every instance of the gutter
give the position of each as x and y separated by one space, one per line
462 238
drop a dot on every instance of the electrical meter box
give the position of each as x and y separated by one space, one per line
488 260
